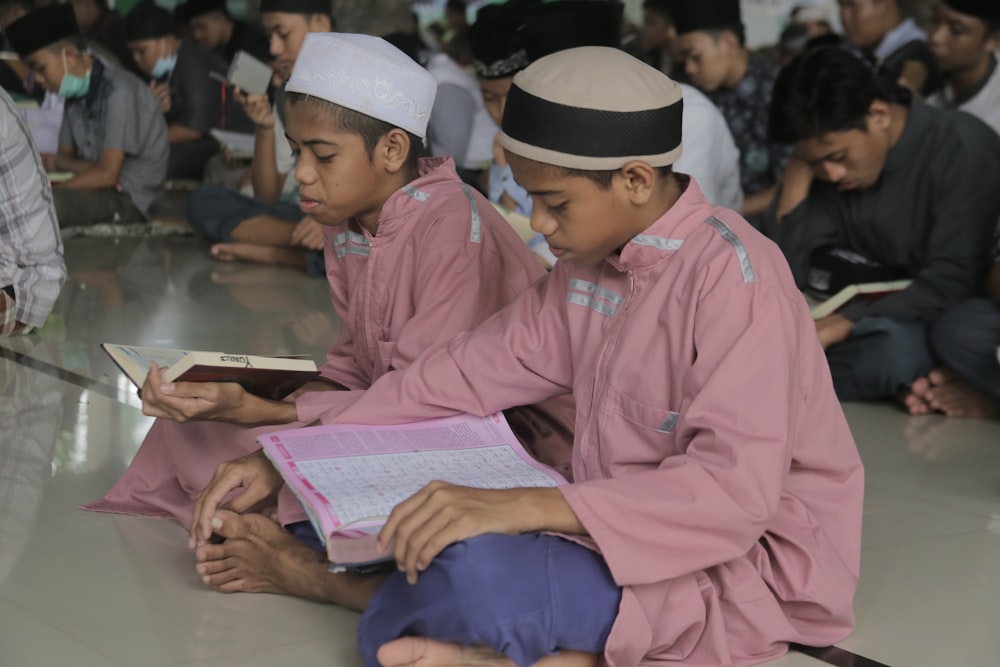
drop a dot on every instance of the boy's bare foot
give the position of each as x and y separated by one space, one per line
259 556
423 652
260 254
915 400
955 397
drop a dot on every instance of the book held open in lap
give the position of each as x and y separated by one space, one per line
861 291
349 477
268 377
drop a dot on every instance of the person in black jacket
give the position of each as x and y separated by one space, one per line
901 185
215 29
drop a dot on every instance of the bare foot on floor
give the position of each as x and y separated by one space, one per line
915 400
423 652
957 398
243 252
259 556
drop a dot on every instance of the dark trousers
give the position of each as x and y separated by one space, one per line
83 208
214 212
880 357
965 339
188 159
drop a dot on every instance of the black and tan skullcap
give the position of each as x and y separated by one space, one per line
593 108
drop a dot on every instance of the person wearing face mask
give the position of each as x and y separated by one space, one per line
113 137
181 79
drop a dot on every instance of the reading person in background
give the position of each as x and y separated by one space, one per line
269 227
32 270
101 24
414 257
113 137
715 510
215 29
739 83
964 37
910 188
192 101
966 342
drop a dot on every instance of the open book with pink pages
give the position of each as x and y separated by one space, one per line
349 477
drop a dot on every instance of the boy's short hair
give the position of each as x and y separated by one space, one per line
147 20
824 90
603 178
371 130
736 28
659 7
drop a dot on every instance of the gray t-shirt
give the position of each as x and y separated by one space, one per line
119 112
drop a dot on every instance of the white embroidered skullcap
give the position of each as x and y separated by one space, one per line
594 108
366 74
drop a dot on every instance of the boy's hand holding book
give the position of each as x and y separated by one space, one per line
210 401
253 473
833 329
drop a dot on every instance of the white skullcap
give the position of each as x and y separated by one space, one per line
366 74
593 108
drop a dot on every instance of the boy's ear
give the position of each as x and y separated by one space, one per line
639 180
394 149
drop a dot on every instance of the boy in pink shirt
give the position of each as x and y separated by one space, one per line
715 510
414 257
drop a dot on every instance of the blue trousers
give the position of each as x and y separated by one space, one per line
524 596
965 339
214 212
880 357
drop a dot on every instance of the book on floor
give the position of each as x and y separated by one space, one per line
268 377
851 293
239 144
349 477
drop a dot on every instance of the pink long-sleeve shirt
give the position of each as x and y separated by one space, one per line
442 261
714 469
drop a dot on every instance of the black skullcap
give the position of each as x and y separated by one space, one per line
988 10
594 108
42 27
495 38
148 21
195 8
568 24
692 15
297 6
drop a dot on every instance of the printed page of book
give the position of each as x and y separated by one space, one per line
239 144
354 475
135 361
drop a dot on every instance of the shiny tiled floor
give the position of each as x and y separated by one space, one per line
97 590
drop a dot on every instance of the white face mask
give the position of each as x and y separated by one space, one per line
164 65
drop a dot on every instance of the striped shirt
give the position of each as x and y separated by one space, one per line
30 246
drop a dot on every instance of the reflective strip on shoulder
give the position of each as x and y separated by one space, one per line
419 195
657 242
477 232
741 251
670 423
